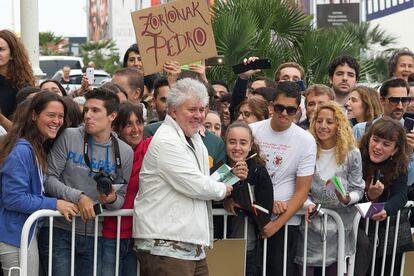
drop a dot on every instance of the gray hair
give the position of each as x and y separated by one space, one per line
187 89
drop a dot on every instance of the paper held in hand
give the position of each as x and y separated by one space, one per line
368 209
224 174
335 184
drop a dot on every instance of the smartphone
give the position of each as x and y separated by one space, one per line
187 66
90 74
257 64
97 208
408 124
377 176
315 211
215 61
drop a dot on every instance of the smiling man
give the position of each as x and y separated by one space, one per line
343 76
76 158
290 160
173 220
394 100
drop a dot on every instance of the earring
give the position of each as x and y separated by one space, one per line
391 158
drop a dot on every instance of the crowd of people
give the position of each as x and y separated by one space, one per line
150 143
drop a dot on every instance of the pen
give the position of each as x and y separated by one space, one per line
248 158
224 176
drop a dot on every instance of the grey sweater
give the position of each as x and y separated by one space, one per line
351 172
69 176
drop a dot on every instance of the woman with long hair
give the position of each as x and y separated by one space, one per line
337 158
23 168
240 145
15 70
384 150
363 105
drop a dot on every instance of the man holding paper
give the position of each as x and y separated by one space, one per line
172 213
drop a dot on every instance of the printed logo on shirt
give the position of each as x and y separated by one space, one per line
278 160
77 159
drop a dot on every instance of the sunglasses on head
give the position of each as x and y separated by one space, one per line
396 100
290 110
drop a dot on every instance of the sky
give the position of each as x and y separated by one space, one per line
63 17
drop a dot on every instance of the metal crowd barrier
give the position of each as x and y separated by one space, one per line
357 219
128 212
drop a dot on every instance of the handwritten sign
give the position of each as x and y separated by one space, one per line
178 31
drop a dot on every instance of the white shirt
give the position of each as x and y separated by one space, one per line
326 164
289 153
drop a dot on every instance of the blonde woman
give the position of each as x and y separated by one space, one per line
337 155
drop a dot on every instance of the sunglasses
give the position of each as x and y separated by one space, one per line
245 114
396 100
290 110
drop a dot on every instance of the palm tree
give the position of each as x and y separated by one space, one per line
279 30
103 52
375 45
264 28
48 43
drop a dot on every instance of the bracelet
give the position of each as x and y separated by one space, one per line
366 196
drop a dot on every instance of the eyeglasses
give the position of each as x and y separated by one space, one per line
396 100
290 110
245 114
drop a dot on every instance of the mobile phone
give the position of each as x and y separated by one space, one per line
90 74
315 211
215 61
377 176
257 64
187 66
408 124
97 208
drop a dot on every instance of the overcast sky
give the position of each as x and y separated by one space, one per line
63 17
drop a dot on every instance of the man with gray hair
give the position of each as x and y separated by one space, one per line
172 213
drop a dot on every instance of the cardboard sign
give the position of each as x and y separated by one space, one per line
178 31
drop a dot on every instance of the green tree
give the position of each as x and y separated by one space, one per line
47 42
103 52
264 28
279 30
375 45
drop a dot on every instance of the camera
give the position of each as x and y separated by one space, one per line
104 182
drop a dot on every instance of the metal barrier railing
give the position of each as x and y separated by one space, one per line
357 219
128 212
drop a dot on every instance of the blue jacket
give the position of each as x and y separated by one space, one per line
20 192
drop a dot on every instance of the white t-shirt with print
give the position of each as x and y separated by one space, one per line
289 153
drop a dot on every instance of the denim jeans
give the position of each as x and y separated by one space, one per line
127 257
62 252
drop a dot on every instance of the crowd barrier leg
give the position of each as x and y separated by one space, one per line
384 252
264 256
325 222
394 248
118 243
305 248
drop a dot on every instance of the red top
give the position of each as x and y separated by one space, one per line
109 223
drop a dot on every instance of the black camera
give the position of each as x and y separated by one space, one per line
104 182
